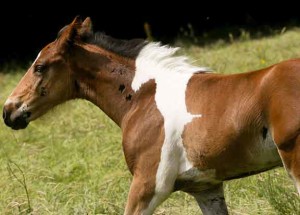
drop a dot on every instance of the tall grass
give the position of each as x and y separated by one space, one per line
71 161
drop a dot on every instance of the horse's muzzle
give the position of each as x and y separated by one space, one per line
15 121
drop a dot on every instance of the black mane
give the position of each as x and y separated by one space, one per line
126 48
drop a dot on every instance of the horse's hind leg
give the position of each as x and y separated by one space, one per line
284 117
212 201
290 154
282 109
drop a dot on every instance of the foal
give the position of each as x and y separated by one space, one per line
183 127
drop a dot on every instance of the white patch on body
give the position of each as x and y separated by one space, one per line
171 75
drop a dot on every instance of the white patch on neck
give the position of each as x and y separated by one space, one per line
171 75
156 61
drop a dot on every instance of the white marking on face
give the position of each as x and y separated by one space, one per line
171 75
36 58
10 99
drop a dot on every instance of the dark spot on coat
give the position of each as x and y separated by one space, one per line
128 97
122 88
43 91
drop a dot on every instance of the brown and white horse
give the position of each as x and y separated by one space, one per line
184 128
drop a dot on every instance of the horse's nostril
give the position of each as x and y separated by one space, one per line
6 117
18 104
26 114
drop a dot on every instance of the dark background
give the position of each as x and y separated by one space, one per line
27 27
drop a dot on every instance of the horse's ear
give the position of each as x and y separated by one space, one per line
80 28
86 28
77 21
77 30
68 33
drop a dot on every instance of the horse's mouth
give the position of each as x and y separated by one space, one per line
19 122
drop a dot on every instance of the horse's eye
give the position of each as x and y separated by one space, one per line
39 69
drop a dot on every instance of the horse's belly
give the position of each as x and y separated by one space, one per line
256 156
263 154
260 156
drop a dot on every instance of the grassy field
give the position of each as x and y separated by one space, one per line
70 161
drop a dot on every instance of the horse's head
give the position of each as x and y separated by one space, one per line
49 80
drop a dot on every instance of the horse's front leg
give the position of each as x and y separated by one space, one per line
143 196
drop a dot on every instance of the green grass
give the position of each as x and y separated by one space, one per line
70 161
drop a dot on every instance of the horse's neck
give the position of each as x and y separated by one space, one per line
106 82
